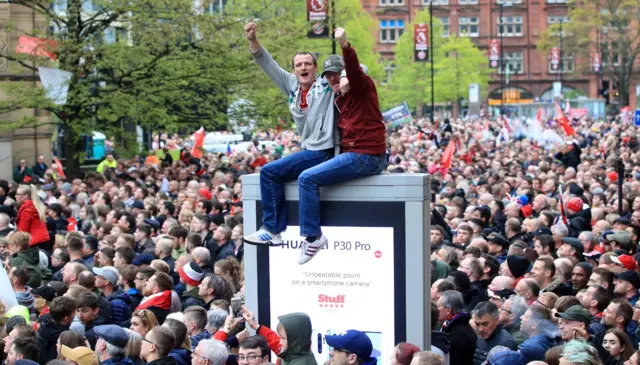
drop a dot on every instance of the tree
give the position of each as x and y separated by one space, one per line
615 24
458 63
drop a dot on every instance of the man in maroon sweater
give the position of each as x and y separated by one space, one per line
362 144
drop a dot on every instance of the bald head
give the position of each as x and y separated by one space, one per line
502 282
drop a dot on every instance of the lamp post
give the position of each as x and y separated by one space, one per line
433 105
502 68
561 60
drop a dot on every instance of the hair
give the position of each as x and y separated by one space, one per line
548 264
62 307
21 273
453 300
625 310
71 339
160 266
304 53
164 281
27 347
580 353
128 273
32 192
75 244
179 331
445 285
129 239
114 350
625 341
203 254
256 342
484 308
565 302
601 296
195 240
231 267
147 318
134 346
542 317
127 254
215 319
518 307
164 340
87 299
144 228
146 272
20 239
214 351
428 358
546 240
197 314
533 286
552 356
179 232
405 351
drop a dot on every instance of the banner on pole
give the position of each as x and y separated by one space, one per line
494 53
317 15
554 55
421 42
397 115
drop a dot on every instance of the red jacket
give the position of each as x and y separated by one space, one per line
361 125
29 221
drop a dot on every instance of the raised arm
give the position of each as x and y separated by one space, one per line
286 81
356 76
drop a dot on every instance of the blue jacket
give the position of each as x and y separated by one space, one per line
499 337
195 340
120 309
118 360
536 347
191 297
226 250
182 356
507 358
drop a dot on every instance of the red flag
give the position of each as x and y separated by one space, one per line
539 115
196 151
60 171
564 122
37 46
507 125
161 300
447 157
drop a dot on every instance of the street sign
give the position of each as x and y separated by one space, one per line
637 118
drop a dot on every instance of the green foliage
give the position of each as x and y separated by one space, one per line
458 63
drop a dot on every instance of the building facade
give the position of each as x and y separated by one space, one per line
531 74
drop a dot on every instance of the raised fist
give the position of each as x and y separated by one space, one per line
341 36
250 31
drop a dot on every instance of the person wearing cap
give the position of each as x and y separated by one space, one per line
571 247
106 282
111 344
579 215
515 267
626 284
191 276
80 355
575 317
620 240
498 246
351 347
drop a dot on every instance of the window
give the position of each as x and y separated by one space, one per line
216 7
510 26
556 1
468 2
468 26
115 34
508 2
391 30
436 2
557 19
444 21
568 64
515 62
610 51
391 2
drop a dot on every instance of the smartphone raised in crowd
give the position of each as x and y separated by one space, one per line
236 306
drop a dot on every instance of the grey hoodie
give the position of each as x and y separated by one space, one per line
316 126
298 328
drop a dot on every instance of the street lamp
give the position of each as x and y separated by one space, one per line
502 68
561 60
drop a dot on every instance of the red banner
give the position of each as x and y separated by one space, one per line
36 46
596 62
554 55
421 42
60 171
494 53
317 11
198 137
564 122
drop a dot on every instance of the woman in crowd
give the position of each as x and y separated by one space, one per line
32 216
143 321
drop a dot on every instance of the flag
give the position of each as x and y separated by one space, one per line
564 122
198 136
507 125
60 171
229 149
563 212
447 157
36 46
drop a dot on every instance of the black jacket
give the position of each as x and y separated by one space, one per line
191 297
163 361
499 337
570 159
473 296
89 334
463 339
580 222
224 251
48 333
38 170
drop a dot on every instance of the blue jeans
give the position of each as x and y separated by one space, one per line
344 167
272 178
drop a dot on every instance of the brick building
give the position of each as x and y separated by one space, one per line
523 21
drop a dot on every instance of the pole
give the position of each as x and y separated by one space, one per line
561 61
501 63
433 104
333 23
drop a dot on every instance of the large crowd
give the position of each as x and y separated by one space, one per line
534 239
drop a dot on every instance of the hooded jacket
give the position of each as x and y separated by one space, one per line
463 339
442 270
30 258
181 356
191 297
120 310
507 358
28 220
48 333
440 344
298 329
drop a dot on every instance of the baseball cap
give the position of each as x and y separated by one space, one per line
498 239
623 221
353 341
153 223
630 276
627 261
333 63
575 243
621 237
113 334
82 355
110 273
576 313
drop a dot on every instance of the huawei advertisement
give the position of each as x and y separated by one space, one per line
348 285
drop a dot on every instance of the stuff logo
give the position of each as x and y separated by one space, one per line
335 302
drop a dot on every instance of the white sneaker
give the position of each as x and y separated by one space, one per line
310 249
264 237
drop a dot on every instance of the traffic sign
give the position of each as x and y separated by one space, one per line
637 118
